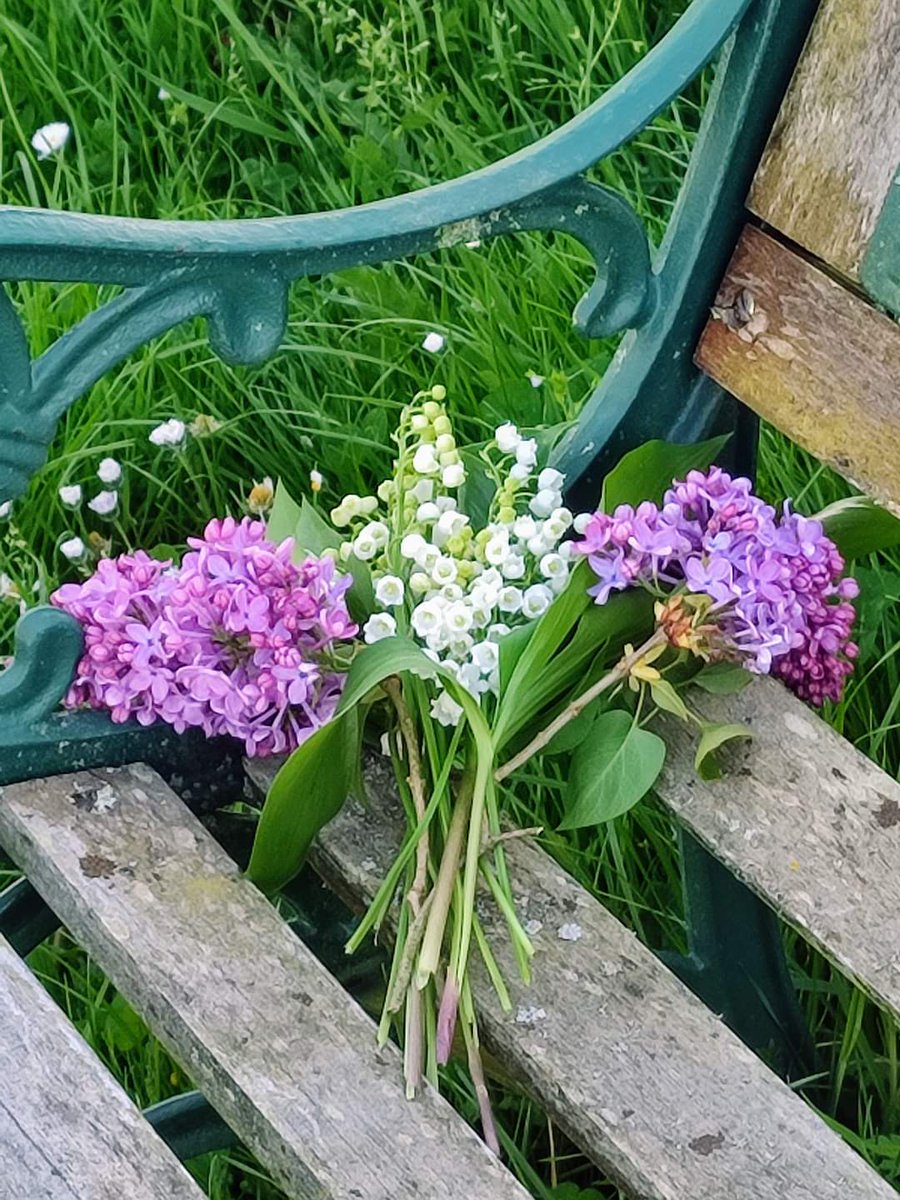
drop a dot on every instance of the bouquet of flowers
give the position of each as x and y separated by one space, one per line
471 619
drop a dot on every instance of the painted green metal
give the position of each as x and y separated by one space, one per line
879 272
237 275
190 1126
25 920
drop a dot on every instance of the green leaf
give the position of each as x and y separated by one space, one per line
574 732
166 552
477 493
512 648
307 792
283 516
711 739
722 679
612 769
373 664
314 535
646 472
666 697
123 1028
226 113
858 526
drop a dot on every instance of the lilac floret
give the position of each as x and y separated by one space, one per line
778 596
234 641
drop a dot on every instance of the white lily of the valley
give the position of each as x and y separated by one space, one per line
50 139
378 626
389 591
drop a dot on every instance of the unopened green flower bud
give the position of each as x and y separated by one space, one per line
339 517
418 423
386 490
442 425
439 392
445 442
431 409
367 505
449 458
506 515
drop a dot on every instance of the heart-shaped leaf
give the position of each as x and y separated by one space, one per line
612 769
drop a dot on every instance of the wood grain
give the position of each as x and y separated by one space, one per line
67 1130
808 822
812 358
272 1040
835 147
633 1067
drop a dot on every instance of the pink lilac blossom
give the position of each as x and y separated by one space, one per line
779 598
234 641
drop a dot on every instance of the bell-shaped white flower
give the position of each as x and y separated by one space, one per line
507 438
425 460
551 479
510 599
379 626
445 710
554 566
433 342
536 600
458 618
543 504
423 491
427 512
444 570
526 452
427 617
582 521
454 475
412 546
514 567
389 591
496 549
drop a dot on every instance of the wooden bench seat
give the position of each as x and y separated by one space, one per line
635 1069
806 821
67 1130
273 1041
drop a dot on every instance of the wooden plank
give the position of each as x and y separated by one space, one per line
808 822
633 1067
812 358
272 1040
835 148
67 1130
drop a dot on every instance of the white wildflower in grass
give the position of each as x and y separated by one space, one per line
70 495
389 591
169 433
433 342
316 479
50 139
109 471
204 425
379 626
104 504
261 497
535 380
5 509
73 549
163 94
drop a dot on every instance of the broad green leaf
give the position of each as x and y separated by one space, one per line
611 770
283 516
646 472
711 739
722 679
165 552
511 649
123 1028
307 792
858 526
666 697
477 492
574 733
879 594
313 535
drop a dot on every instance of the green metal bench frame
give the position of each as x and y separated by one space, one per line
237 275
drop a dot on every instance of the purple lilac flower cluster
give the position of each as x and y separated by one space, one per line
778 596
233 641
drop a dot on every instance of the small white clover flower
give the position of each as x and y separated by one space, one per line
552 479
5 509
536 600
73 549
378 626
104 504
526 452
109 471
389 591
454 475
425 460
507 438
510 599
163 94
71 495
535 380
445 710
50 139
169 433
412 545
433 342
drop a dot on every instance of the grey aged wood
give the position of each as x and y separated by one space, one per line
812 358
808 822
835 147
267 1034
628 1062
67 1130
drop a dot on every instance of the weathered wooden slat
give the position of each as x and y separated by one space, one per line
67 1130
272 1040
808 822
835 147
628 1062
812 358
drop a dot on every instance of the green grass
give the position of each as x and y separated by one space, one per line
296 107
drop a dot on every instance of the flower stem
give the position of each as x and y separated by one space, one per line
416 782
619 672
